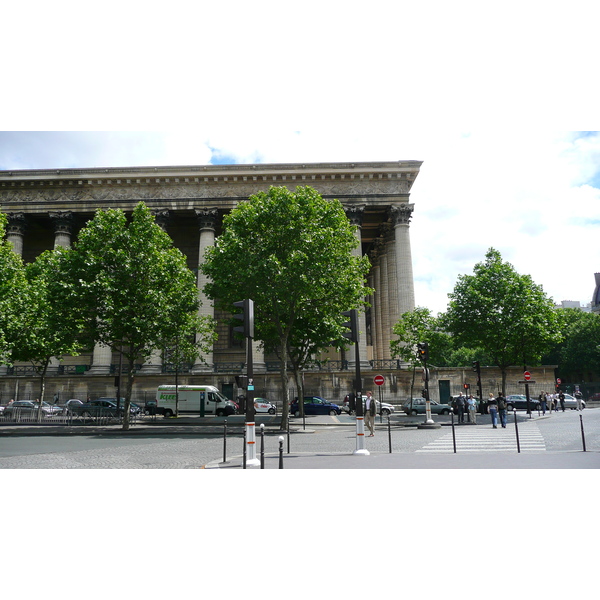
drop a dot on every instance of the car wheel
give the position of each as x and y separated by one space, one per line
386 411
445 412
333 413
168 413
509 407
271 411
86 414
297 413
414 412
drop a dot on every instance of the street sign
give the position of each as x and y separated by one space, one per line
527 375
379 379
524 381
559 381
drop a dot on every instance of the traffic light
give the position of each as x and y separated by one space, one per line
476 366
352 325
467 386
246 316
423 351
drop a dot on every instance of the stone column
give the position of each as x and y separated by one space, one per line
355 215
384 309
154 364
401 216
63 228
101 359
376 332
207 220
15 231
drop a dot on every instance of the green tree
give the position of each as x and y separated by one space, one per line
48 329
133 290
13 291
290 252
579 351
505 314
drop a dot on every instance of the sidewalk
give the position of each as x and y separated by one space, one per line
412 460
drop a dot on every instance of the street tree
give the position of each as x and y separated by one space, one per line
134 290
290 252
48 327
503 313
13 290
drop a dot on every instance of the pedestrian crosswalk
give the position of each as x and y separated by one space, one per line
475 439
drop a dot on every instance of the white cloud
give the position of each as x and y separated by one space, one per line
482 94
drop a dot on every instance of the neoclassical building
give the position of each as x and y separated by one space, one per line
47 208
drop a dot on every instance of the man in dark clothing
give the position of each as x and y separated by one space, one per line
460 408
561 397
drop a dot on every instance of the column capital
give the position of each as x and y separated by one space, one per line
16 223
401 213
355 214
207 217
161 217
63 221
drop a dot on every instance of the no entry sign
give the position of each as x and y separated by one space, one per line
379 379
527 375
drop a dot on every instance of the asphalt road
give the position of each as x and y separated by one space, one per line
553 441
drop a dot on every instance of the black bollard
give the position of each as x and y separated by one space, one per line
244 453
453 432
281 452
288 434
225 441
582 432
389 433
262 445
517 432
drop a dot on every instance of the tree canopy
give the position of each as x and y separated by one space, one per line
290 252
132 290
503 313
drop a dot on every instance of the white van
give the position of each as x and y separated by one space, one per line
193 399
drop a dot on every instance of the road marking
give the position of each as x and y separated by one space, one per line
489 440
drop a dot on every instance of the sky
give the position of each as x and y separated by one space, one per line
499 100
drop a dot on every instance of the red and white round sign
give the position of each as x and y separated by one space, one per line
527 375
379 379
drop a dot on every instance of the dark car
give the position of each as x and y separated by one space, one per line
134 408
418 407
100 408
315 405
519 401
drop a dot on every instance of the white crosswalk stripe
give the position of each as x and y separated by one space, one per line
472 439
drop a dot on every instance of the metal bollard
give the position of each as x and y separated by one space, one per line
517 431
453 432
582 432
262 445
225 441
288 434
244 453
389 433
281 452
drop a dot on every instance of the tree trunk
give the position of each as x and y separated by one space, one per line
284 392
126 410
42 389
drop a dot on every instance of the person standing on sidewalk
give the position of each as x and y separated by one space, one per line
502 408
472 409
370 412
493 410
561 397
578 399
542 400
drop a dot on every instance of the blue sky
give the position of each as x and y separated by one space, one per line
498 102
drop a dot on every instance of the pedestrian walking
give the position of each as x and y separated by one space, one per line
370 412
493 410
502 409
472 408
561 397
542 399
578 399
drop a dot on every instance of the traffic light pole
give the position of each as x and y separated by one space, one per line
360 415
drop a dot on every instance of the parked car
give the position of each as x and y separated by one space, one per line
571 402
134 408
262 405
69 405
100 408
417 407
519 402
387 408
594 397
26 408
315 405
